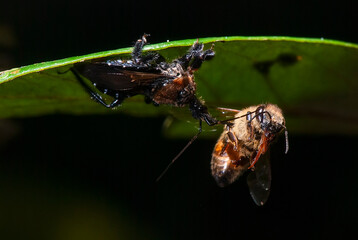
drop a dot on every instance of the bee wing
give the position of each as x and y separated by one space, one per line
116 77
259 180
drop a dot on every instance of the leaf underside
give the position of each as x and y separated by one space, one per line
314 81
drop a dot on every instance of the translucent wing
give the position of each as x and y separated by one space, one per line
259 180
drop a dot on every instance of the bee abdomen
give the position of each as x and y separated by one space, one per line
223 171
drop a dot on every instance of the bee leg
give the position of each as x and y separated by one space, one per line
232 137
261 150
223 149
251 132
249 119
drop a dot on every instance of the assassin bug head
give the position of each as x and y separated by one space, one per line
193 59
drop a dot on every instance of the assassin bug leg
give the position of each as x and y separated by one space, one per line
138 47
98 98
182 151
199 111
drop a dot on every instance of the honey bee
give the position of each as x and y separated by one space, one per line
244 145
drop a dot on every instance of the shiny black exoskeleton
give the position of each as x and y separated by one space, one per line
149 75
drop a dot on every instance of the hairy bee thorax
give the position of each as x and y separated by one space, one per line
244 140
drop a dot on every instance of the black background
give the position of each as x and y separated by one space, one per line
93 177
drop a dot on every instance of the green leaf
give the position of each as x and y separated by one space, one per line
314 81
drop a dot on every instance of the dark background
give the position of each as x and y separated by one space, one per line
93 177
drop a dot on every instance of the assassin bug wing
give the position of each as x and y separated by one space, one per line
259 180
117 78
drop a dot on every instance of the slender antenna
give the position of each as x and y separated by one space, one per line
180 153
244 115
286 136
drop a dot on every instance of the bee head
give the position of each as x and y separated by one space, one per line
272 121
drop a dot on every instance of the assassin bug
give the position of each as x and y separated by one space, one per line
150 75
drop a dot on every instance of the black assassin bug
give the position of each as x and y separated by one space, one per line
161 82
149 75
